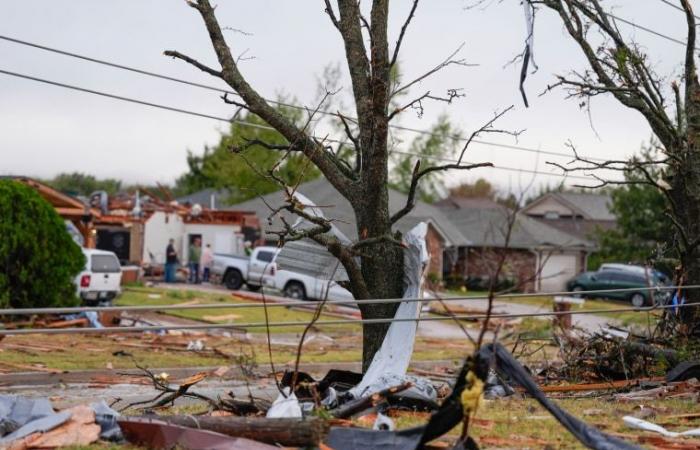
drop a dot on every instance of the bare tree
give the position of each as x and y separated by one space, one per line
619 67
374 264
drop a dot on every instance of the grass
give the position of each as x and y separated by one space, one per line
528 425
159 297
85 352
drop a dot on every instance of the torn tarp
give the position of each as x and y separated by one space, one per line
528 54
389 365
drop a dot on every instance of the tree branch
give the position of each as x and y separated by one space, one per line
256 104
395 57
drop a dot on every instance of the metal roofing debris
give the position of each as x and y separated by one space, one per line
336 207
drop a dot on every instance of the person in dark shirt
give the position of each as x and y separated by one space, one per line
170 262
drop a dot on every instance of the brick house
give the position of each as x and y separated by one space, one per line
441 233
538 257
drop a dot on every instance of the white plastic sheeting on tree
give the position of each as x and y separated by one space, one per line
389 365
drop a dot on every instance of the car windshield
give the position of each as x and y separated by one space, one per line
105 264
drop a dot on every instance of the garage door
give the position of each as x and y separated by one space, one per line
556 271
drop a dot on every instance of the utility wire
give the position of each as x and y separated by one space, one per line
243 123
648 30
672 5
286 304
275 102
331 322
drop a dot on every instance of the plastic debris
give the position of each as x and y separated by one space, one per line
195 346
640 424
285 405
389 365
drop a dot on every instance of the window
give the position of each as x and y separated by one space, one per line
266 256
105 264
552 215
605 275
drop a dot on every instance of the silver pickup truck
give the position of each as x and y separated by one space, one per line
235 270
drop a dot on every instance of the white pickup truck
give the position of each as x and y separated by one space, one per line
304 287
253 270
260 270
100 280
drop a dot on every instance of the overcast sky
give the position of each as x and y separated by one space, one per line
45 129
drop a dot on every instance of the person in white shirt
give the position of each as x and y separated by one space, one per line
205 262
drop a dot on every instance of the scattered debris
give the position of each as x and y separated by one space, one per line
157 434
284 432
32 423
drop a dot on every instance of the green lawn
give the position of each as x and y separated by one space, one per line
147 296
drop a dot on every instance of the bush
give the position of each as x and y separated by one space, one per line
38 258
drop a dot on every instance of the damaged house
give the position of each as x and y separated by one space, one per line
137 227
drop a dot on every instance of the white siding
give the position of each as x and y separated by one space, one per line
158 229
223 238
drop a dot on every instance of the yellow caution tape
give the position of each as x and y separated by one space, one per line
472 394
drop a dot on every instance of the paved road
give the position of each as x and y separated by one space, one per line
588 322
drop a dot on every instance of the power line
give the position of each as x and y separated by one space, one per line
648 30
291 303
677 7
332 322
240 122
275 102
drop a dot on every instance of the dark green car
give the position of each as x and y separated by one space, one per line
614 279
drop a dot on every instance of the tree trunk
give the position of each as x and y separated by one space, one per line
382 263
685 196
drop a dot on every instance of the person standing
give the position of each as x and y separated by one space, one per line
170 261
195 256
206 262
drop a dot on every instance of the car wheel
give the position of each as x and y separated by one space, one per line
233 280
575 291
638 300
253 287
295 290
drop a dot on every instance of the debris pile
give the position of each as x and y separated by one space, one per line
609 355
32 423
